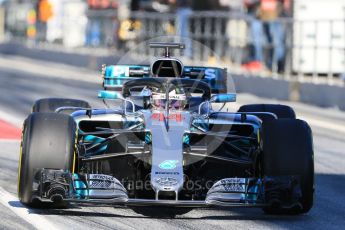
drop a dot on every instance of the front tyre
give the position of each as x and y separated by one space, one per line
288 150
48 141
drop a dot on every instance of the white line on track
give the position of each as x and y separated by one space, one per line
36 220
323 124
9 141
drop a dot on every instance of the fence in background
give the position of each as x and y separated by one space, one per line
304 50
311 50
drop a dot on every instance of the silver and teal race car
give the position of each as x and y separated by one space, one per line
161 141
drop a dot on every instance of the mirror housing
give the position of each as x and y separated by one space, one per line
223 98
109 95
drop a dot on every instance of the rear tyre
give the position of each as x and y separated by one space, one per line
281 111
288 150
48 141
49 105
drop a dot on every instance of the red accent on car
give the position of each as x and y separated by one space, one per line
160 117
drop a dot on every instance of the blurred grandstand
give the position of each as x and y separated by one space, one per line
299 40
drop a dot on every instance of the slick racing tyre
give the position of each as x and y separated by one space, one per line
48 141
281 111
288 150
49 105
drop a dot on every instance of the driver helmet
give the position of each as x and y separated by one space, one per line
177 99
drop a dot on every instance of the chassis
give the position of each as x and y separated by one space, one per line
140 155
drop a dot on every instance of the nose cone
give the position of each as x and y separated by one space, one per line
167 152
168 176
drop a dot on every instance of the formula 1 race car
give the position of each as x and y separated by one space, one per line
164 143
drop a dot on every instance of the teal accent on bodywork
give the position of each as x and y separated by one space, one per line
114 82
186 139
116 75
128 124
95 140
101 149
123 71
253 191
148 138
201 123
80 187
168 164
116 71
110 95
224 98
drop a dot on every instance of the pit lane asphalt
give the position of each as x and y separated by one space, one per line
20 87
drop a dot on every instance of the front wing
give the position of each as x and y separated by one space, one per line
57 185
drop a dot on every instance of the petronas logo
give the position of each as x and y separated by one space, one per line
168 164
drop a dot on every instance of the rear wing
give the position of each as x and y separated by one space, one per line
116 75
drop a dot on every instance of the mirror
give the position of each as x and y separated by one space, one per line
223 98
